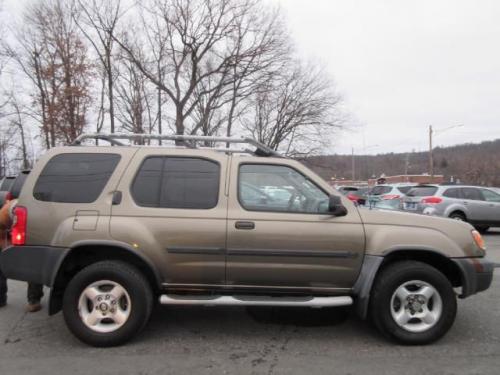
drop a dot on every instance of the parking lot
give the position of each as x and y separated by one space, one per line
224 340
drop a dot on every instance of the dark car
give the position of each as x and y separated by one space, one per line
5 185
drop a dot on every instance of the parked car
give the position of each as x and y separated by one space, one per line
388 192
5 184
357 194
387 204
111 229
18 183
476 205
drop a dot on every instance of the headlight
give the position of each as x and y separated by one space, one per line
478 239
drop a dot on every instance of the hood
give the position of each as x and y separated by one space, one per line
406 230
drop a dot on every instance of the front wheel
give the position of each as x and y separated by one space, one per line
107 303
413 303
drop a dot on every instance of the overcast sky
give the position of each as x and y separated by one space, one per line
402 65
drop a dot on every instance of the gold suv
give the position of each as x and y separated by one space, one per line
111 229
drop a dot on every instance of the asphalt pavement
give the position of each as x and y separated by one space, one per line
221 340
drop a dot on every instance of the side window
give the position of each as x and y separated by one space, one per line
177 182
491 196
276 188
75 178
452 193
472 194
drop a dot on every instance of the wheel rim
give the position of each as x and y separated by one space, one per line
104 306
416 306
457 217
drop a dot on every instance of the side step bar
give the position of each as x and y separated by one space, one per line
255 301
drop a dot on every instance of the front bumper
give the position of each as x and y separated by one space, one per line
477 274
34 264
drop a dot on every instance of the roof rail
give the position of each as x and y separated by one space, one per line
188 140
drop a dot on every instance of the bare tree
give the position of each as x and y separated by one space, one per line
18 129
296 111
51 53
98 23
133 100
203 41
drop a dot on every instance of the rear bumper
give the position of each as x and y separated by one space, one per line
34 264
477 274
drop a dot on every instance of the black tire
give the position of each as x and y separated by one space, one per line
482 228
457 215
127 276
392 277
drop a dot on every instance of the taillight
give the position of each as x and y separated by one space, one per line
352 197
8 196
18 231
390 196
431 200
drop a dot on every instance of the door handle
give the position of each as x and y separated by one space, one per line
248 225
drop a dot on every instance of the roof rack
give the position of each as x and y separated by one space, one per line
188 141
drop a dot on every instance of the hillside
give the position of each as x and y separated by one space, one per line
470 163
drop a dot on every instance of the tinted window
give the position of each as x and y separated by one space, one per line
405 189
170 182
472 194
75 178
452 193
422 191
6 184
277 188
380 190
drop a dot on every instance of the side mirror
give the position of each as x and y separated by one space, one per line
335 206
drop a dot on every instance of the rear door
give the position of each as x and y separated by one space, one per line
477 208
173 208
493 205
288 241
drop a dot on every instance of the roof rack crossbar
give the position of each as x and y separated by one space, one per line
188 140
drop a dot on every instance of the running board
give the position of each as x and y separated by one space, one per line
255 301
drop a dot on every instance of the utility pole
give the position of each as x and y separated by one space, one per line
353 166
407 163
431 157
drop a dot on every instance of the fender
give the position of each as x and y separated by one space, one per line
371 266
57 280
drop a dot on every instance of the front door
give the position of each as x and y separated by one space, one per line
493 206
173 209
477 207
280 234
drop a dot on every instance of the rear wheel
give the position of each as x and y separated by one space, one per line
107 303
413 303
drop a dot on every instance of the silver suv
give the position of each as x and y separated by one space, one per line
476 205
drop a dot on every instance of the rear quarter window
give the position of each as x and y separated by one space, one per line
405 189
75 178
452 193
422 191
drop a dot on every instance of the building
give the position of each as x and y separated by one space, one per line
408 178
